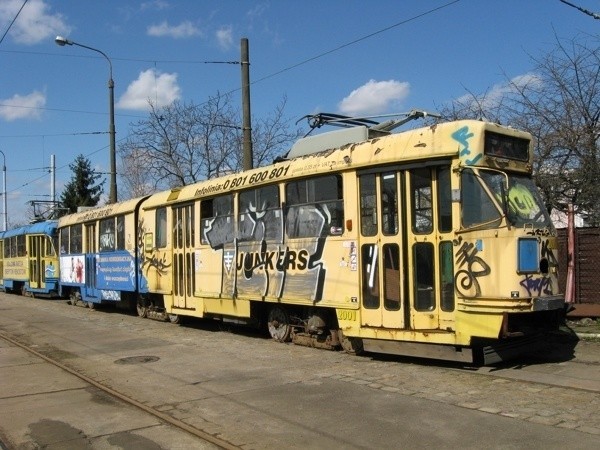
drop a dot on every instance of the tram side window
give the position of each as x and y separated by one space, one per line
52 246
424 276
421 198
161 228
21 248
112 234
447 276
389 204
368 205
75 239
314 207
7 247
370 276
107 241
260 215
476 206
216 219
64 240
13 247
120 227
444 199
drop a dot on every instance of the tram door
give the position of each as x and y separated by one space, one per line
381 259
37 263
90 251
429 248
183 255
406 249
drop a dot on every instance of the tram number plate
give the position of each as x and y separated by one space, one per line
346 315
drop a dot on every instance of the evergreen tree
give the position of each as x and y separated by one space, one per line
82 190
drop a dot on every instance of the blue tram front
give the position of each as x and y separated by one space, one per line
29 262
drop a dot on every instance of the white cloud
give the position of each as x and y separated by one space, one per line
183 30
374 97
34 23
225 37
154 5
159 88
494 96
22 106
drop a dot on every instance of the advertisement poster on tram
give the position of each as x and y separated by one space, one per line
115 270
72 269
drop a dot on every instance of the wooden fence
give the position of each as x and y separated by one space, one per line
587 264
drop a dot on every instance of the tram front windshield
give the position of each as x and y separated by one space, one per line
485 200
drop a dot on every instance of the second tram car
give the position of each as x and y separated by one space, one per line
99 256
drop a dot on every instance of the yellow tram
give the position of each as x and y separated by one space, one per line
432 242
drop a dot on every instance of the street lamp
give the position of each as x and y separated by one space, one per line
4 190
112 197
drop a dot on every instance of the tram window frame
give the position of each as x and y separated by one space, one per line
270 218
160 227
120 231
389 203
76 238
64 240
218 208
368 204
52 246
477 208
7 248
421 199
444 198
446 265
21 245
305 198
424 276
108 234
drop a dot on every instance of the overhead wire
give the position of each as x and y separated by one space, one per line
266 77
13 21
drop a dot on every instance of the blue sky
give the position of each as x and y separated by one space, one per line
344 56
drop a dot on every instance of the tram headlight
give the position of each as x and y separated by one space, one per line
527 258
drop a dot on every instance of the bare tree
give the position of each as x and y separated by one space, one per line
559 103
181 144
562 111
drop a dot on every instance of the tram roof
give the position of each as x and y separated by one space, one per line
101 212
47 227
354 151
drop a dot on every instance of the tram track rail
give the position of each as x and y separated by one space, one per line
166 418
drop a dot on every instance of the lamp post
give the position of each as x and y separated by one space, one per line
5 212
112 197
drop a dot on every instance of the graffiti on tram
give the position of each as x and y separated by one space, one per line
258 261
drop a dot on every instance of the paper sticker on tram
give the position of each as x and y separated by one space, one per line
431 242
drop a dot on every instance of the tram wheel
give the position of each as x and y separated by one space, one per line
279 324
142 310
74 298
351 345
91 305
174 318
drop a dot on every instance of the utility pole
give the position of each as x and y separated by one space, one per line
246 121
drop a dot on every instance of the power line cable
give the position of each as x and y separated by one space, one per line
328 52
583 10
13 21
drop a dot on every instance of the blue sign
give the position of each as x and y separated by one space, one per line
115 271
